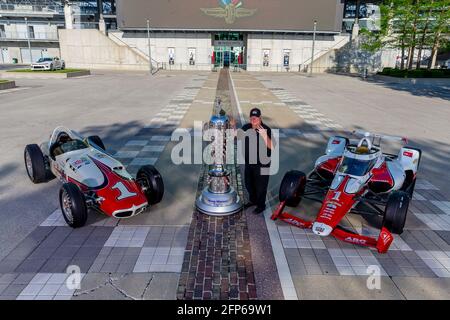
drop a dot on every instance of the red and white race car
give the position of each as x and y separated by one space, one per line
354 177
91 178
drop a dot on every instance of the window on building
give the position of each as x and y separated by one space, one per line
2 31
31 32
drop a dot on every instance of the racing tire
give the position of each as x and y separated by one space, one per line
153 183
98 141
292 188
73 205
396 211
35 164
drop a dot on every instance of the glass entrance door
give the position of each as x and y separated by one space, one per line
228 49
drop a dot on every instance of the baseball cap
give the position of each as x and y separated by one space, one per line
255 112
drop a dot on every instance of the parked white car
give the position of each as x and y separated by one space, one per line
49 63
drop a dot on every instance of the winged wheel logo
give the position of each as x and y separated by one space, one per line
229 10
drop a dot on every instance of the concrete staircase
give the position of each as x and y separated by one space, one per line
91 49
116 36
323 60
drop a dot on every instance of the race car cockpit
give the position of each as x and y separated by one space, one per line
359 159
64 143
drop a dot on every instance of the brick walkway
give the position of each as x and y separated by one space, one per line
217 263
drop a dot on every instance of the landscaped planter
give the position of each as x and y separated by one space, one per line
430 81
7 85
28 74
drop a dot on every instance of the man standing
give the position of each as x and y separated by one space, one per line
258 146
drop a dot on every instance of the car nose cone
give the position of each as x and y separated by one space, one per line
321 229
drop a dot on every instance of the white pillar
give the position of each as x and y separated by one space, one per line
68 15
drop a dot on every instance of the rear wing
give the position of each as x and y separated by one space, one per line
377 137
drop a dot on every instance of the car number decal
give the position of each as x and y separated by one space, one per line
124 192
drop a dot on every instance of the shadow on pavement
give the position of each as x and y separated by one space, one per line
420 90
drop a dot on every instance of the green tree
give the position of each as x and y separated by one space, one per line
440 29
410 25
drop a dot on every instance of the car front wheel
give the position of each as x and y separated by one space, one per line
292 188
152 183
73 205
396 211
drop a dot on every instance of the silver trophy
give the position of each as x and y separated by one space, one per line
218 198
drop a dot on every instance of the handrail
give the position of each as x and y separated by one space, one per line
142 54
318 55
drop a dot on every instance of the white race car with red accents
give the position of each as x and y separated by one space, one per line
91 178
354 177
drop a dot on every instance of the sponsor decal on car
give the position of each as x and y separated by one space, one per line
355 240
295 222
81 162
408 154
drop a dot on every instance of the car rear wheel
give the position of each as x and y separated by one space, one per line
152 183
98 141
396 211
35 164
73 205
292 188
63 66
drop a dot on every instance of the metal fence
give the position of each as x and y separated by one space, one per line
45 36
20 8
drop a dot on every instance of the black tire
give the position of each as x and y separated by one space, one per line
396 211
98 141
35 163
292 188
153 182
75 210
63 66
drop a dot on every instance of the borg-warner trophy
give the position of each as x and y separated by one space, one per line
218 198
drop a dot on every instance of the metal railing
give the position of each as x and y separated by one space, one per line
35 9
48 36
142 54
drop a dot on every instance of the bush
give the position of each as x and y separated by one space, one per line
417 73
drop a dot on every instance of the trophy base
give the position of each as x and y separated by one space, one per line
218 204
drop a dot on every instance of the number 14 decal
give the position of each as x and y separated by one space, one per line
124 192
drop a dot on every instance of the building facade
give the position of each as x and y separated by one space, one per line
29 28
258 35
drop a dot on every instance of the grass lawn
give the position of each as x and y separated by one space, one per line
42 71
3 81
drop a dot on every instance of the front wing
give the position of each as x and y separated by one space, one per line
382 243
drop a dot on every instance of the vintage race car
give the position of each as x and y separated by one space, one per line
354 177
91 178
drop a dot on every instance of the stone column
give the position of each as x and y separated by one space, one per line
68 15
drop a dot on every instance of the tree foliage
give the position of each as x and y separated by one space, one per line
411 26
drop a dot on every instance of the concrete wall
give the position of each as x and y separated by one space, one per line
91 49
300 47
161 42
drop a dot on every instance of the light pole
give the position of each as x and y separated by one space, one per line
149 48
313 47
28 39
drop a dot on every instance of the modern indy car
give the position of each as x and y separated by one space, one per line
91 178
354 177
